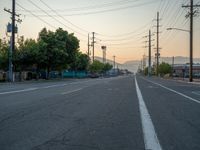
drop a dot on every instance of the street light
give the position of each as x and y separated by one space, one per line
178 29
191 52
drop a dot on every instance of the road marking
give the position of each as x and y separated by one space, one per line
179 93
196 92
46 87
73 91
18 91
150 138
36 88
55 85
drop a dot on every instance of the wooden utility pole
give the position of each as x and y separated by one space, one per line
12 40
114 61
93 46
149 68
88 52
157 47
191 15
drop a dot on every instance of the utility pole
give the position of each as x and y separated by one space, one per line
157 47
88 52
114 61
13 30
141 65
149 69
191 41
93 46
191 15
12 42
149 49
144 61
172 65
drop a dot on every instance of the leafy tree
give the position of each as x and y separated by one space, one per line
82 61
107 67
99 67
164 68
51 51
146 71
56 49
96 66
4 49
26 55
72 48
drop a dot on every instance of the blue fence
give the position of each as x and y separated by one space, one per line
74 74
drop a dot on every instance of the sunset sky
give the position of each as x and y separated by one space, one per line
119 24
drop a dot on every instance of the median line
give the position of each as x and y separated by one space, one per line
150 137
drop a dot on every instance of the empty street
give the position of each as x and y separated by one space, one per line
100 114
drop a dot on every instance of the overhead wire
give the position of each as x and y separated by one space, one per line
35 15
63 17
99 6
108 10
85 35
124 34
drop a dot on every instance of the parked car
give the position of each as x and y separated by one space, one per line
93 75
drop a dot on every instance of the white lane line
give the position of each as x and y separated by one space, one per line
150 137
197 93
45 87
51 86
73 91
18 91
179 93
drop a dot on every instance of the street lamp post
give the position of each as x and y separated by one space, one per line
191 52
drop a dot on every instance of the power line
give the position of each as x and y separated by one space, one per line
40 18
165 9
103 11
62 16
53 17
99 6
124 39
125 34
35 15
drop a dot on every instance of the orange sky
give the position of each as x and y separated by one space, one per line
120 25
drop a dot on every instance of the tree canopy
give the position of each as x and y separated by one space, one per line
57 50
164 68
99 67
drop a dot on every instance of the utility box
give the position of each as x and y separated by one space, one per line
9 28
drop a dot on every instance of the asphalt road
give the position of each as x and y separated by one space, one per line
121 113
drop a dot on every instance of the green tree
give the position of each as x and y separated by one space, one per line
57 49
82 62
26 55
72 48
146 71
107 67
4 49
164 68
96 67
99 67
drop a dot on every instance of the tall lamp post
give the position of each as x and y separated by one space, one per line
191 53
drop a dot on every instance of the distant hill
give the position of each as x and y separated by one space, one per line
107 60
120 66
133 65
179 60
